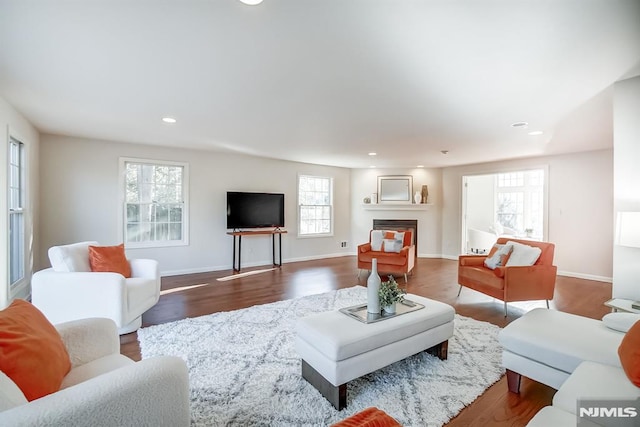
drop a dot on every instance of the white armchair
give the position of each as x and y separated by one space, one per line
103 388
69 290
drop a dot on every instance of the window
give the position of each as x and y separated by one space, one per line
16 204
315 205
519 201
155 205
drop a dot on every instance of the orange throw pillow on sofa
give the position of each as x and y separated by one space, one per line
32 353
629 352
110 259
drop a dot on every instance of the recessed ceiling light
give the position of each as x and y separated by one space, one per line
420 166
372 166
251 2
169 120
373 154
536 132
520 125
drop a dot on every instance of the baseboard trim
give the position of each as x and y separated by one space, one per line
264 263
586 276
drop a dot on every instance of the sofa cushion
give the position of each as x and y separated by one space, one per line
498 256
482 275
558 339
620 321
10 394
592 380
629 352
94 368
32 353
522 255
109 259
388 258
550 416
71 258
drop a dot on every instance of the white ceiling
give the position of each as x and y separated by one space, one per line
324 81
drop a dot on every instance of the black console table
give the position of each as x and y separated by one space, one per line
237 235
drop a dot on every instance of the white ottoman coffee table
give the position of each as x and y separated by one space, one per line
336 348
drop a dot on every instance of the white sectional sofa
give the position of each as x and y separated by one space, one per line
576 355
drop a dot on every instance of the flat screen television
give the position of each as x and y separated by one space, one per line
254 210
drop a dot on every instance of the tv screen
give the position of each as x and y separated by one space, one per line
254 210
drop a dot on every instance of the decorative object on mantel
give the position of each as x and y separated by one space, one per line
373 287
374 198
366 200
417 197
425 193
390 294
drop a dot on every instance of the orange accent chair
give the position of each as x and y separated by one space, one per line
513 283
389 262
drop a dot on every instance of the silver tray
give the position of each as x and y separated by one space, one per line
359 312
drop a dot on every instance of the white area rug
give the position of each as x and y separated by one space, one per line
244 369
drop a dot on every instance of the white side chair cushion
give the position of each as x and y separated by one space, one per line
620 321
10 394
71 258
93 369
593 380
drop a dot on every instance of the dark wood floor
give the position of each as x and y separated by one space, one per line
198 294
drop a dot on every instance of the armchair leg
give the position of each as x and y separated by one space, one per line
505 309
405 278
547 303
459 290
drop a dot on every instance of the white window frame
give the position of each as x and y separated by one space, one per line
122 215
300 207
527 190
17 207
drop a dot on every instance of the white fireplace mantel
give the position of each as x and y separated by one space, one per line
396 206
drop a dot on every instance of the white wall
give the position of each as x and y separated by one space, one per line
79 199
14 124
626 261
580 209
365 181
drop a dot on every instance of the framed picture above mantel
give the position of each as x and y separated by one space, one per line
395 189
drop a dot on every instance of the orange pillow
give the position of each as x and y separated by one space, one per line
32 353
370 417
629 352
109 259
